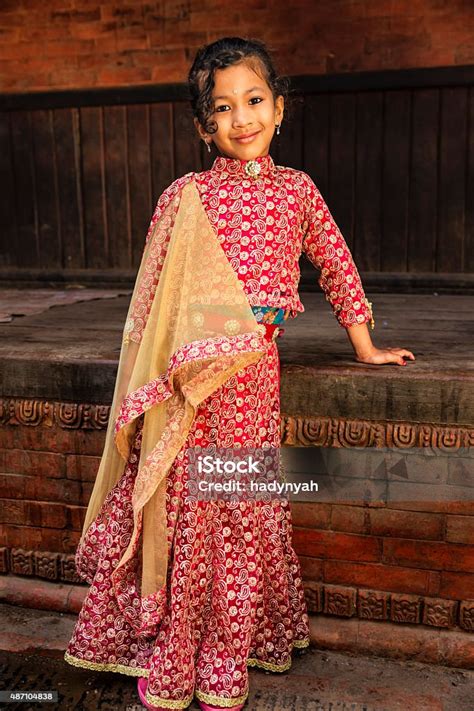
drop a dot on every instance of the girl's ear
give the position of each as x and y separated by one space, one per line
279 109
199 128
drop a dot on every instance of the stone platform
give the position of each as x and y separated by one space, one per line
401 572
40 350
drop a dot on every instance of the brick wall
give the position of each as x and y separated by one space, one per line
46 478
402 563
420 552
92 43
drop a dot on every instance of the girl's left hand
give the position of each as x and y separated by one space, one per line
378 356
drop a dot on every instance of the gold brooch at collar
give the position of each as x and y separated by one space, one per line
252 168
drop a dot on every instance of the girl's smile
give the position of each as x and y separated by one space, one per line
247 137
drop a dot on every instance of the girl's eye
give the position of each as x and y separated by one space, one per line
225 107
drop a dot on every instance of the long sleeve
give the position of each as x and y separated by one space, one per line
327 250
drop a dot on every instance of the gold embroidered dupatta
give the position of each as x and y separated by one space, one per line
189 328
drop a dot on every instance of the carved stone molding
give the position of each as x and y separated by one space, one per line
314 596
58 567
333 432
405 608
442 613
339 601
345 601
68 415
22 562
373 605
295 431
466 615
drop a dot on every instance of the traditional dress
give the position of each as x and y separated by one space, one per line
233 596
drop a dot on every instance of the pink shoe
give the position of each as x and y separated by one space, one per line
142 684
206 707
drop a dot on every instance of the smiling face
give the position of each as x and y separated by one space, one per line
245 113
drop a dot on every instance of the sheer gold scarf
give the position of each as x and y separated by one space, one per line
189 328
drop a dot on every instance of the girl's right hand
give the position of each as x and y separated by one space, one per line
379 356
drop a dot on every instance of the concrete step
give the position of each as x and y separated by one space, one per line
32 644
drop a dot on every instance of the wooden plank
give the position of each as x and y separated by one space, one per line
380 80
340 196
395 181
139 170
452 180
290 146
187 148
468 261
46 180
316 140
383 80
207 158
162 150
71 223
422 221
315 129
93 188
25 250
108 96
116 187
8 225
367 223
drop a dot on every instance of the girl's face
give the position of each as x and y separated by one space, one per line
244 111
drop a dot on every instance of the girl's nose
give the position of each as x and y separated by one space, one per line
241 117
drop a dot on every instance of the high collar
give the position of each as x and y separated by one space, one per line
236 166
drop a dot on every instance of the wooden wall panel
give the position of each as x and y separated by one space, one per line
139 176
116 189
161 148
25 249
340 195
395 182
468 246
67 139
49 235
93 188
315 129
452 179
8 222
368 165
289 147
393 158
187 151
423 207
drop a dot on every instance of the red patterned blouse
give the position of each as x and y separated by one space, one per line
264 223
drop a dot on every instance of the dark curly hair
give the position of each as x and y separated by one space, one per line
223 53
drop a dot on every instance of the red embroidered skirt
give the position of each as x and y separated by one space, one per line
235 591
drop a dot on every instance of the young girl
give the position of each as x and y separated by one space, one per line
186 594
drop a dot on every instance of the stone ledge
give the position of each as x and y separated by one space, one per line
41 594
449 648
395 640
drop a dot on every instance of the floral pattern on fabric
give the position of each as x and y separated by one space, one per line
235 592
234 596
266 223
